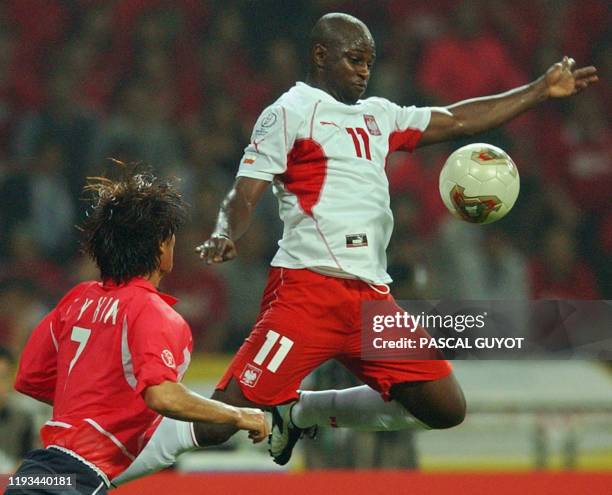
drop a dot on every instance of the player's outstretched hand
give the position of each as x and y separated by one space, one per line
217 249
254 421
563 79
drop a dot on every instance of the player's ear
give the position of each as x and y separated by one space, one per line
319 55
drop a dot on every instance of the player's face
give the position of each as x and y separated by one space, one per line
349 69
166 260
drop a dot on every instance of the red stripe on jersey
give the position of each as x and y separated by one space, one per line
306 170
405 140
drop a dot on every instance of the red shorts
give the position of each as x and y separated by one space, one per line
306 319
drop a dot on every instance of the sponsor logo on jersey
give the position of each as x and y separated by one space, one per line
371 124
356 240
250 375
323 122
168 358
249 160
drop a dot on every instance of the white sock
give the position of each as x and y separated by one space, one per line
360 408
170 439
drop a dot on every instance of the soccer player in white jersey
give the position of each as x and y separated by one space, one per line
323 149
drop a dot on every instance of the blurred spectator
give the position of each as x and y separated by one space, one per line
417 175
480 263
410 263
63 121
202 293
246 278
10 100
178 84
95 57
467 61
22 306
558 273
141 127
16 424
29 262
581 159
39 198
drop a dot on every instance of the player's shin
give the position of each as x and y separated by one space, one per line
359 408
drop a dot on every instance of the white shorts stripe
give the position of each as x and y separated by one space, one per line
60 424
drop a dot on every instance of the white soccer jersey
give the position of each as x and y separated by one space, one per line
327 164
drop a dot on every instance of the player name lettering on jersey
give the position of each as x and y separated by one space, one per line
105 309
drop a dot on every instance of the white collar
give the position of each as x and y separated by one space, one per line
321 94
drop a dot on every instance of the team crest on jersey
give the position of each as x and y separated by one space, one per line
168 358
371 124
250 375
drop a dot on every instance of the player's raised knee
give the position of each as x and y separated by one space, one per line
451 415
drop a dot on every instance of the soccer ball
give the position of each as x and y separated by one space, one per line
479 183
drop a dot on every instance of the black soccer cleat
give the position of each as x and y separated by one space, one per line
284 434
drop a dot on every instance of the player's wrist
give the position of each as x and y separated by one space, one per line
223 234
235 416
540 89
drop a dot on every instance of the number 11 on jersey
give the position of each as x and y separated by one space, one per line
364 137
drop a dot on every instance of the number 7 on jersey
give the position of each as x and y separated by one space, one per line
80 335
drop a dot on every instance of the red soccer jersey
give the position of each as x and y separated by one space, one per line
92 357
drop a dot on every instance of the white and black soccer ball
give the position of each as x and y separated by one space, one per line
479 183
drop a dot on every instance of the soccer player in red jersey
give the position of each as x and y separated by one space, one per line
109 358
323 149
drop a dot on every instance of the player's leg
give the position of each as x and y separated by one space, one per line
405 392
208 434
437 403
400 394
389 403
427 404
170 439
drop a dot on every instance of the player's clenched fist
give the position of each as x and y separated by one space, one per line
254 421
217 249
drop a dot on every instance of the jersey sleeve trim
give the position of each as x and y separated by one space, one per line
411 123
254 174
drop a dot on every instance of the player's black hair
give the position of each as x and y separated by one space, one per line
127 222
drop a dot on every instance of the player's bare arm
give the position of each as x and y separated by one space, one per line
480 114
233 220
174 400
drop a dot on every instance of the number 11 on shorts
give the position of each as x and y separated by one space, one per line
284 346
